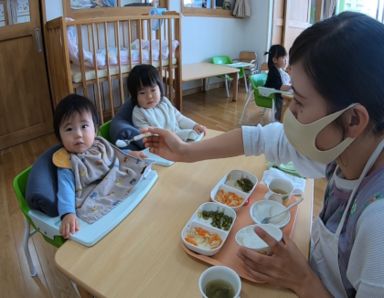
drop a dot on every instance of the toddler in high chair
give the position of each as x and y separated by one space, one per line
93 176
277 78
152 108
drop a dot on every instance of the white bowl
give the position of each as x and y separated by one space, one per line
228 189
202 249
248 238
235 175
215 207
263 208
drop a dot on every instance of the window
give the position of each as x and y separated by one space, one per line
95 8
373 8
208 8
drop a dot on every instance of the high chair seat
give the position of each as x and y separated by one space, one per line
264 97
228 60
40 188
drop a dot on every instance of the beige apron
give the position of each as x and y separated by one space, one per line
325 244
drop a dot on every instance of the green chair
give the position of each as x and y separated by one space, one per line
263 97
227 60
19 186
104 130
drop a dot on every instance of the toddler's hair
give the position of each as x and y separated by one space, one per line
343 57
276 51
73 103
143 75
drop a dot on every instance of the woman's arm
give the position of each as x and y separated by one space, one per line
249 140
168 145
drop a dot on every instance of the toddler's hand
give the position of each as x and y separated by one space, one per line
200 128
138 154
69 225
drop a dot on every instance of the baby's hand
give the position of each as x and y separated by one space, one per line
200 128
138 154
69 225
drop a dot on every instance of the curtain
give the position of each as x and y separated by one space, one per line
329 8
242 9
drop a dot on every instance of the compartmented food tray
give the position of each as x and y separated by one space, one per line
227 255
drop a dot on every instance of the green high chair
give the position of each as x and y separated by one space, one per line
227 60
104 130
263 97
19 186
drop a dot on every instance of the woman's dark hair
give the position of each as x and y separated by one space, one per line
275 51
143 75
343 57
73 103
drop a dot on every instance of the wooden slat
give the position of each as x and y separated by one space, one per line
108 67
98 92
81 60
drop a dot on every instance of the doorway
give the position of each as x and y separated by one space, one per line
25 105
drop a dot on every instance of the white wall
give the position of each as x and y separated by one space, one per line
204 37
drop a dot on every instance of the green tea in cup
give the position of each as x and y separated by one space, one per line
219 281
219 289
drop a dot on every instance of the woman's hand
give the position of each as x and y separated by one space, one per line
69 225
284 267
200 128
165 143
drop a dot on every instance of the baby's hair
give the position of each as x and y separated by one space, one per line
276 51
343 57
143 75
73 103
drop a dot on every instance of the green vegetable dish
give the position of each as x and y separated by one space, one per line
245 184
219 219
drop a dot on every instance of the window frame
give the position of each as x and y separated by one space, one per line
205 12
108 11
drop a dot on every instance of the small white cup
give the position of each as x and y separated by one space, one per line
280 189
220 273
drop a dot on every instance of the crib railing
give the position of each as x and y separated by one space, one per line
93 57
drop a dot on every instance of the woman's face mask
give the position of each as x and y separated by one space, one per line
303 136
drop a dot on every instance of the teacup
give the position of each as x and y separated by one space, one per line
220 281
280 189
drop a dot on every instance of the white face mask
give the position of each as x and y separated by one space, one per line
303 136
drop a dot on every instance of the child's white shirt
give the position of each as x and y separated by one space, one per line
166 116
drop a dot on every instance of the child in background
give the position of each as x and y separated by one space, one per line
93 176
334 127
152 108
277 77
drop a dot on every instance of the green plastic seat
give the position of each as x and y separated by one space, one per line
104 130
19 186
266 102
222 59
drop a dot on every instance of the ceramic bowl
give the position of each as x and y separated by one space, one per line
248 238
263 208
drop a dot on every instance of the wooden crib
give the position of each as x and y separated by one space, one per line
93 57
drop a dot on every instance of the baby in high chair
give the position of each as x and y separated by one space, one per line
152 108
93 176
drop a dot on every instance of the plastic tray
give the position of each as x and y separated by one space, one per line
228 254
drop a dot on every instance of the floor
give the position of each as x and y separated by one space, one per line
211 108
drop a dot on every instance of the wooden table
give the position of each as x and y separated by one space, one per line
205 70
143 257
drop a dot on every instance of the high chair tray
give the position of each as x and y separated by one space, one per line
90 234
228 254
